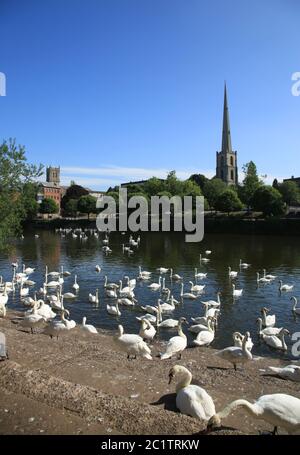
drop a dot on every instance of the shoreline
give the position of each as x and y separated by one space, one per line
212 225
81 384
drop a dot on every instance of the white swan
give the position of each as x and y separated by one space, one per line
238 339
268 320
244 265
98 268
267 330
191 399
111 293
56 327
200 275
113 309
295 309
175 276
285 287
75 285
196 287
187 295
2 310
88 327
33 320
45 310
110 285
236 292
213 303
177 344
236 355
127 302
155 286
291 372
94 298
263 279
232 273
165 290
205 260
143 274
269 276
4 296
276 341
162 270
23 291
166 307
147 331
69 296
125 292
205 337
278 409
131 283
132 344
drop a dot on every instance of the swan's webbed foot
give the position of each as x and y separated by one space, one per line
235 368
275 431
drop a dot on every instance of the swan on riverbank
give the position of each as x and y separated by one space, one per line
191 399
236 355
132 344
176 344
278 409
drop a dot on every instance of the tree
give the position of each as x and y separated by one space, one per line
250 183
228 201
153 186
15 173
268 200
71 207
87 204
275 184
290 192
29 200
48 206
73 192
212 190
199 179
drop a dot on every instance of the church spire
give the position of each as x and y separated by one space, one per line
226 136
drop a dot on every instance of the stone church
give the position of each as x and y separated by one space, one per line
227 169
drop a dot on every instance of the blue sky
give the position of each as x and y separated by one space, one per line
116 90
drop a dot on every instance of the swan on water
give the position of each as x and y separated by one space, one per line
268 320
94 298
276 341
285 287
295 309
232 273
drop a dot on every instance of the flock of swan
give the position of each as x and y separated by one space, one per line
46 311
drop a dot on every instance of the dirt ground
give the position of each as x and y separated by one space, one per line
81 384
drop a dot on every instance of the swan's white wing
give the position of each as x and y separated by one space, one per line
195 401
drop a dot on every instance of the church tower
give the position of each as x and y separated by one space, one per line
227 158
53 175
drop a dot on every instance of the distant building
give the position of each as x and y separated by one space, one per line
51 189
293 179
227 169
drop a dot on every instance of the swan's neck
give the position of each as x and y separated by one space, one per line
253 409
259 326
180 332
295 304
185 381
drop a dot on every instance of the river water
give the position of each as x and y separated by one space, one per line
279 255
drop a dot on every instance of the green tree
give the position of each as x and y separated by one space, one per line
290 192
29 200
228 201
73 192
71 207
212 190
87 204
268 200
199 179
250 183
275 184
48 206
153 186
15 173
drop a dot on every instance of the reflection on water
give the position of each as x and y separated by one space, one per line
279 255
